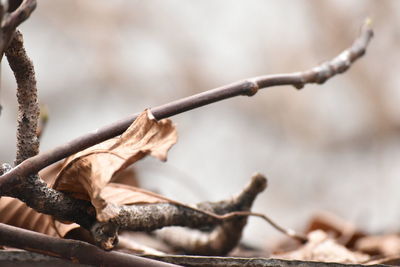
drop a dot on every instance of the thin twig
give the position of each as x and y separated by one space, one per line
289 232
28 106
10 21
247 87
72 250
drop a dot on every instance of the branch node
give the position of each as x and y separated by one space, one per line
250 88
298 86
105 234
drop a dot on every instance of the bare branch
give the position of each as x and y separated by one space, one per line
225 230
20 11
28 106
225 236
72 250
247 87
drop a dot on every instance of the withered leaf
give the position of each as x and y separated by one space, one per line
121 194
321 247
86 175
382 245
15 212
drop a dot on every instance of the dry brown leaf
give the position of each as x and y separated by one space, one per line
127 176
342 231
15 212
382 245
86 174
145 136
120 194
324 249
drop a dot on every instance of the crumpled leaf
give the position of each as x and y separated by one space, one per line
153 138
382 245
87 174
344 232
120 194
321 247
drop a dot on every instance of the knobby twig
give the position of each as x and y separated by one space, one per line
72 250
28 106
247 87
224 232
222 238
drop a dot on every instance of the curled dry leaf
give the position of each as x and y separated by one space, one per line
321 247
145 136
381 245
344 232
87 174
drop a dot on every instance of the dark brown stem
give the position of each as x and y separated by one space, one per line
72 250
28 106
247 87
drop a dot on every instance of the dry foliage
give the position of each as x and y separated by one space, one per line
87 174
96 174
332 239
321 247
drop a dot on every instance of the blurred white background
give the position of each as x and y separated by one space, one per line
334 147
